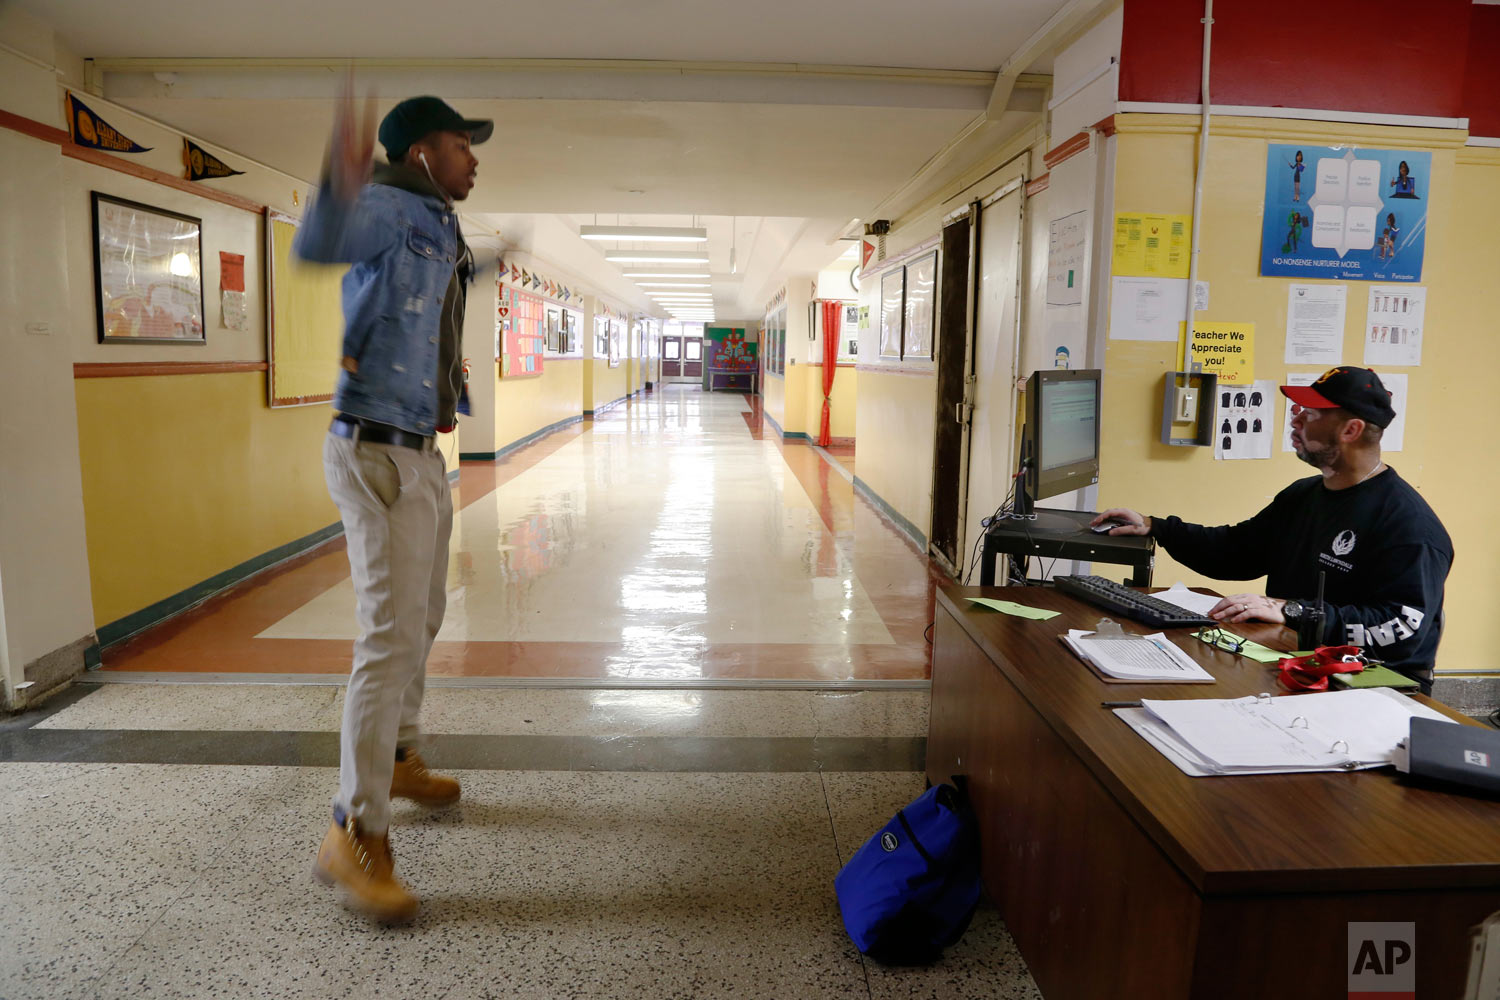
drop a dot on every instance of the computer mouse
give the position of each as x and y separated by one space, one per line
1104 527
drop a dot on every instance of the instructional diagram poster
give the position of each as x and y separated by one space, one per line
1315 323
1152 246
1357 214
1067 239
1393 326
1224 349
1245 420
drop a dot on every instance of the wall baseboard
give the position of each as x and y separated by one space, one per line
50 672
118 631
519 443
1473 696
907 528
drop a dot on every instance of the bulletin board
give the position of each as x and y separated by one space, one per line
523 333
304 320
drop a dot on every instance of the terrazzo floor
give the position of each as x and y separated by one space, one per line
192 879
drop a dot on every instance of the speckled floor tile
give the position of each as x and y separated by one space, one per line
984 963
871 713
539 884
202 706
91 856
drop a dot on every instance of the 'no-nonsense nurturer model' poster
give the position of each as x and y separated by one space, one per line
1355 214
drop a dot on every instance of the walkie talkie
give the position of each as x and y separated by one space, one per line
1310 624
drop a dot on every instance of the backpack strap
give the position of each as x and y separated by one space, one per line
911 836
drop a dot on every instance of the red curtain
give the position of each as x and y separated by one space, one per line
833 315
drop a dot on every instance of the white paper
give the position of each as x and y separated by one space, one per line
1200 296
1067 240
1315 324
1147 308
1150 657
1244 422
1187 600
232 310
1292 378
1393 325
1395 435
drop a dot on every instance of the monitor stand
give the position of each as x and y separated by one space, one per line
1061 534
1048 522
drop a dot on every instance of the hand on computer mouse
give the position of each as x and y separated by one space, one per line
1121 521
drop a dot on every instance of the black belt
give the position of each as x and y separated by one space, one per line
369 430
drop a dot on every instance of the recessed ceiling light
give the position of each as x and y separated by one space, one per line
674 284
666 274
657 256
645 234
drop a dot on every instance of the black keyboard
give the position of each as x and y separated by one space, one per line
1121 600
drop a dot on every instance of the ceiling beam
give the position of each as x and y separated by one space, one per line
1072 16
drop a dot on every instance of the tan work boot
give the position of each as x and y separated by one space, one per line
412 780
361 864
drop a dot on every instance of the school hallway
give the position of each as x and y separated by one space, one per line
682 679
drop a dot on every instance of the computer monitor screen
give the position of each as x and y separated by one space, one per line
1060 442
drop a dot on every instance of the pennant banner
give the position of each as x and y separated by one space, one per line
202 164
88 129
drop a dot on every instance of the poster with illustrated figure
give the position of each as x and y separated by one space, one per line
1345 212
1393 326
1244 420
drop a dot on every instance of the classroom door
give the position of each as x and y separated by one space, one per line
955 338
992 431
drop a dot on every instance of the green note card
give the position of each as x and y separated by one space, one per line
1375 676
1254 650
1019 610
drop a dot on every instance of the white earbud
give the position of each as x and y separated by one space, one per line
423 157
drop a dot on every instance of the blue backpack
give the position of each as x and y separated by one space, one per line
911 890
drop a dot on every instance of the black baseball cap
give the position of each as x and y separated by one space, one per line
1357 390
417 117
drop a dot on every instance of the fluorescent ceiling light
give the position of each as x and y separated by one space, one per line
645 234
680 296
657 256
674 284
666 274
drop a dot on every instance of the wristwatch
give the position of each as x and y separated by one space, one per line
1293 611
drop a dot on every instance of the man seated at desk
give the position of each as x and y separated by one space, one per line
1385 553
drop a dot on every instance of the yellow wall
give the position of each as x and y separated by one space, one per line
524 406
1154 173
609 383
794 406
186 476
896 425
841 420
773 397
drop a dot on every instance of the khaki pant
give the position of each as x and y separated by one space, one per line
397 510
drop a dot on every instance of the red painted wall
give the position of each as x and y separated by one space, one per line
1383 56
1482 81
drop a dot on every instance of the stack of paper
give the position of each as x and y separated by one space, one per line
1135 657
1178 594
1339 730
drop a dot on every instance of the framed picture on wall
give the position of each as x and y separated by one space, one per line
148 274
892 311
554 331
921 300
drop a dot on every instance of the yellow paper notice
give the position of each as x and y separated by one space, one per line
1223 349
1152 246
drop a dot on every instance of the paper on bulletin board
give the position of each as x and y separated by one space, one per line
1393 325
1147 308
1292 378
1223 349
1066 243
232 307
1315 324
1151 246
1244 422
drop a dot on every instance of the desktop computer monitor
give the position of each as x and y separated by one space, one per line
1060 440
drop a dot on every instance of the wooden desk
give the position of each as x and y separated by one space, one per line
1120 876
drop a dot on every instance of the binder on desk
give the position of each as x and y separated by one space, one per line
1127 658
1336 731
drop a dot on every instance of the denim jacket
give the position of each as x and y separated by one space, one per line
406 251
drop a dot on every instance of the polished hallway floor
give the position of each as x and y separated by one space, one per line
668 540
